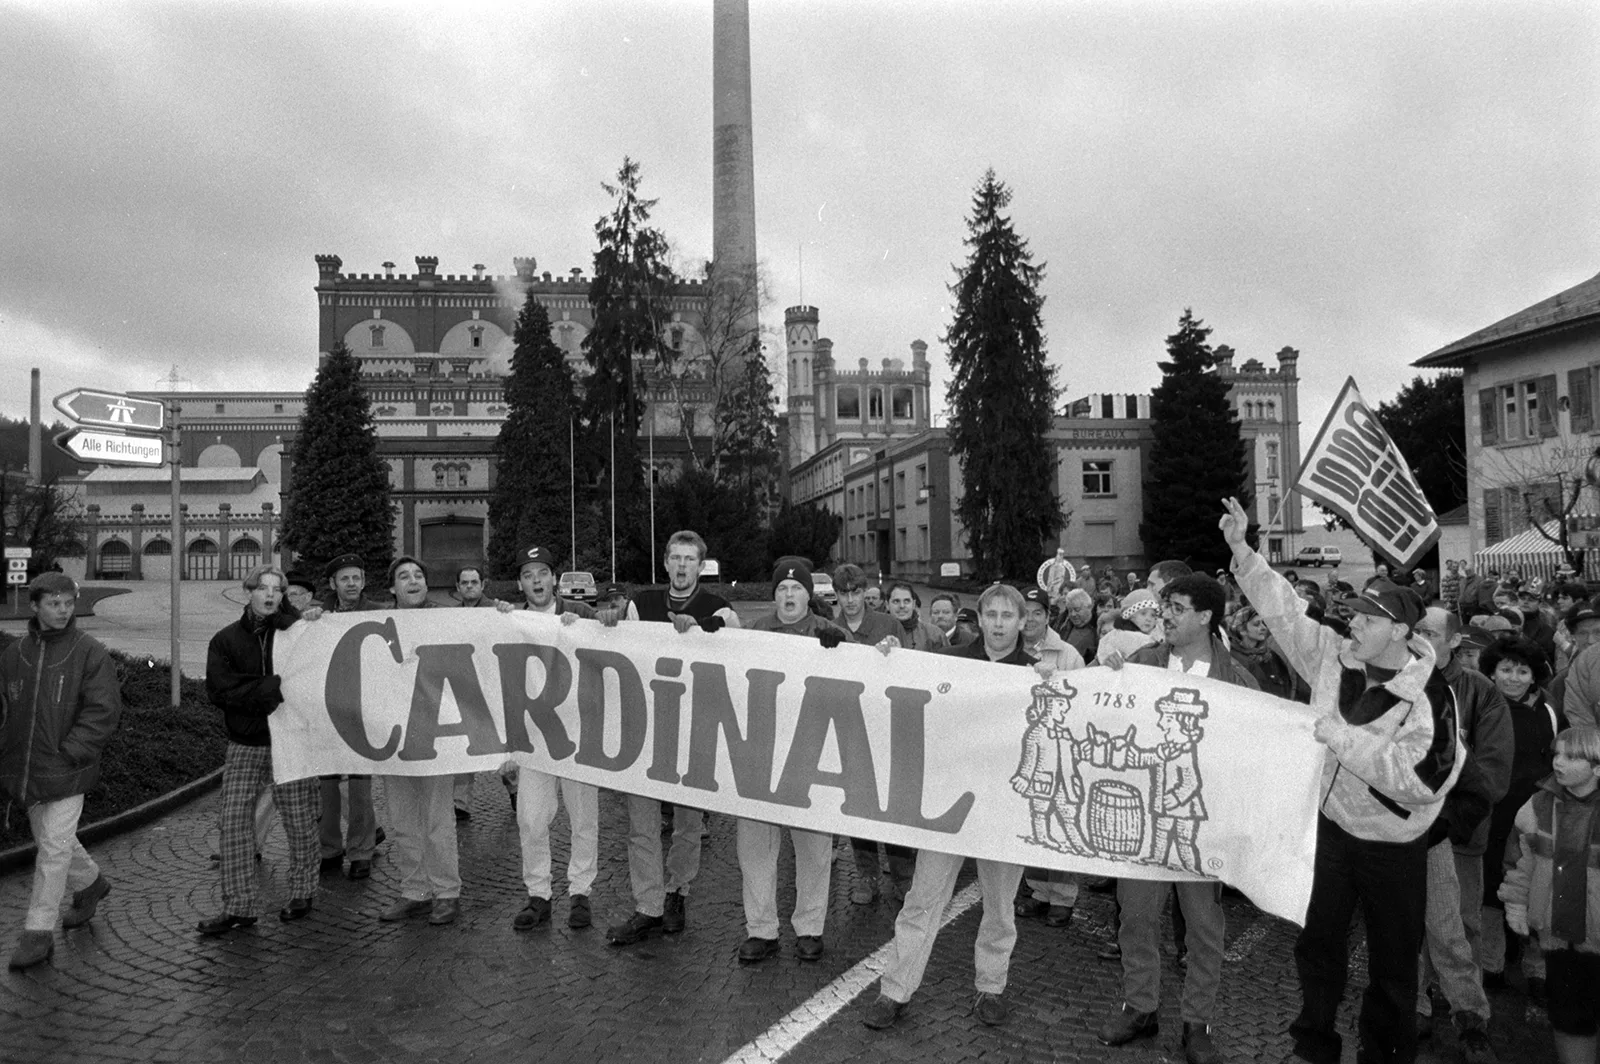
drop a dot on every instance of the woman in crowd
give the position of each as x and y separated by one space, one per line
1254 648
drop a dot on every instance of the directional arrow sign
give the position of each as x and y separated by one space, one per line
112 410
110 448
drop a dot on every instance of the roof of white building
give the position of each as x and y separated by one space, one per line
1577 305
190 475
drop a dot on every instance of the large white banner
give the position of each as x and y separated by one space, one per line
1139 772
1355 470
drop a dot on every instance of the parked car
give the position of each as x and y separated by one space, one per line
1319 556
822 589
578 586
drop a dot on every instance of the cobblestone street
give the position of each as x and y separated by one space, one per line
140 984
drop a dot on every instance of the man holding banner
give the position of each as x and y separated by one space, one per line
1388 722
1000 607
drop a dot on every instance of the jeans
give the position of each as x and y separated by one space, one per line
424 827
62 861
1140 938
1388 881
918 924
650 887
1445 951
758 845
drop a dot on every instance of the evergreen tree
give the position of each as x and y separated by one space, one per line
807 530
629 296
1427 421
1198 458
748 419
338 501
1001 395
531 501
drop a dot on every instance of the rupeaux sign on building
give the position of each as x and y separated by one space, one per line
1139 772
1355 470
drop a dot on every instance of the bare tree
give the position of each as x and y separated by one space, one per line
46 516
1539 487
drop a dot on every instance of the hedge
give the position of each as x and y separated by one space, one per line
156 748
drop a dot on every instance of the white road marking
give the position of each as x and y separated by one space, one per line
1246 943
776 1041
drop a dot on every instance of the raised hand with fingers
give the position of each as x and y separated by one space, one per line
1235 522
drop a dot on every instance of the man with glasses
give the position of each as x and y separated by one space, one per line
660 902
1457 842
1192 612
1388 721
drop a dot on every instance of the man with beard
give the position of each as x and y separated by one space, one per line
1388 721
1192 610
536 791
240 682
660 903
915 633
1000 607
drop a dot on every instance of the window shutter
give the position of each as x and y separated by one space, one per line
1547 405
1580 399
1486 417
1492 533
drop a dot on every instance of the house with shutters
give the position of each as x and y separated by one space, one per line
1530 381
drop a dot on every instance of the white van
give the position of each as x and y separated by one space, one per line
1319 556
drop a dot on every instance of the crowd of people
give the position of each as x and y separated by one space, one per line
1460 720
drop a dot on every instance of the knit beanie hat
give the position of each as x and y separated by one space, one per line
792 568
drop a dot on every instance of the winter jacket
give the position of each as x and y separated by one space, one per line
1273 673
1580 702
1393 751
60 701
1056 652
1224 666
239 676
1484 722
875 628
921 635
1539 833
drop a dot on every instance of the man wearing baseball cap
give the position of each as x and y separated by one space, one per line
661 901
60 700
536 791
346 577
759 842
1388 721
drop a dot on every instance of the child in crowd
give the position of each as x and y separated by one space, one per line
1549 888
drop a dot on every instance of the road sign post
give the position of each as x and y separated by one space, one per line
176 459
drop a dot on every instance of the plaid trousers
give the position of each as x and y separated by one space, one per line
247 770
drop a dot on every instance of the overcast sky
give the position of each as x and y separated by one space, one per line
1362 181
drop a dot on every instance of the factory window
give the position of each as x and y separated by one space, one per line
875 404
1272 459
904 408
277 408
377 335
1097 478
219 408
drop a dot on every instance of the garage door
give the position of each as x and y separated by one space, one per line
447 545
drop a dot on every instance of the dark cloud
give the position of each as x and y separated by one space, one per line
1362 182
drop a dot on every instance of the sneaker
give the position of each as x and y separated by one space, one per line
578 915
991 1009
1127 1025
1475 1047
755 950
882 1013
34 947
1058 916
638 928
673 913
808 948
535 913
404 909
1198 1048
445 911
84 903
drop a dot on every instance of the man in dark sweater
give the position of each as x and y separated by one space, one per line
660 902
240 682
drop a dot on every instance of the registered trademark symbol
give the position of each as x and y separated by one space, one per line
1214 863
944 688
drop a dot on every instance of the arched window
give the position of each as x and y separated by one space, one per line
903 409
158 548
116 559
849 404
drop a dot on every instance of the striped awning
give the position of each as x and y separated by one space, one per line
1529 554
1528 541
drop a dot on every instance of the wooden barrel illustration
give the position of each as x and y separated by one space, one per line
1116 818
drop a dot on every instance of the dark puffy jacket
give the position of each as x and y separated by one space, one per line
239 676
1224 666
61 703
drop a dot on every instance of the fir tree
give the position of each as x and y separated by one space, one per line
1198 458
748 429
338 501
532 498
1001 395
629 296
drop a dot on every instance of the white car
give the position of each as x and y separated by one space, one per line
578 586
1319 556
822 589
